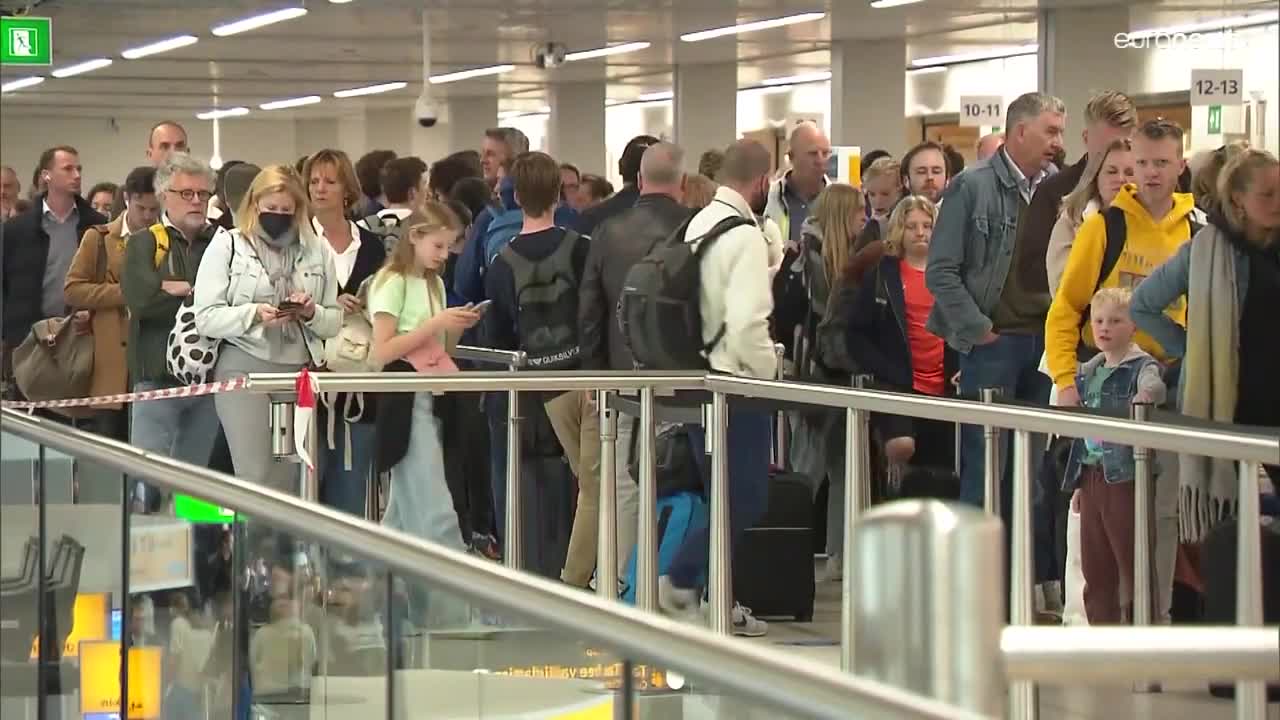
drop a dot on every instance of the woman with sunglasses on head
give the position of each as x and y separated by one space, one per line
269 291
1102 180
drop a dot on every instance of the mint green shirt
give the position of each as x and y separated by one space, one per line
411 300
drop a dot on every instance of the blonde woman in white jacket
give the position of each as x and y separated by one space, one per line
1101 182
270 291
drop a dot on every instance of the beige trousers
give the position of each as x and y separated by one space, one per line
576 422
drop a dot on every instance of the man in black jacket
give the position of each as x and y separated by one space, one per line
38 246
619 243
629 167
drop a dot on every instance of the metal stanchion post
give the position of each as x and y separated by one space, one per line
1142 578
309 477
607 546
933 640
1023 703
1251 696
863 382
856 476
781 445
513 533
720 568
991 454
647 536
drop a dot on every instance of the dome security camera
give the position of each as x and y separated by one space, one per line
549 56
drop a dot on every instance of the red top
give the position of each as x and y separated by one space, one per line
927 349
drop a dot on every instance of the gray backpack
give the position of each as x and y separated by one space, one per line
547 306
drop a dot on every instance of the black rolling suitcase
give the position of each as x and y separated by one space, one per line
1218 568
773 564
549 498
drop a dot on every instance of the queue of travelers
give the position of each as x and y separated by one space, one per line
1095 285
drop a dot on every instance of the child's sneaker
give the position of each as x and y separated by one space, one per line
676 601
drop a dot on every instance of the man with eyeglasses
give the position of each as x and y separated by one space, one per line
155 282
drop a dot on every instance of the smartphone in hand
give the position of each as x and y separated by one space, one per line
288 307
481 308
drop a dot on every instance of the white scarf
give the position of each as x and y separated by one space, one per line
1209 487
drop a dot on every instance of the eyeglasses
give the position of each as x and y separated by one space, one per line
190 195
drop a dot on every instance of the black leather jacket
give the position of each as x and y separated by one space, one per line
617 244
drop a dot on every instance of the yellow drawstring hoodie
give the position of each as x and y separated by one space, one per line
1148 243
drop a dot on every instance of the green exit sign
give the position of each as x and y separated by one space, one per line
26 41
1215 119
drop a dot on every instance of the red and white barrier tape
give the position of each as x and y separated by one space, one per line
212 388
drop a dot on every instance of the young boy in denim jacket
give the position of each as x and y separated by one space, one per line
1101 473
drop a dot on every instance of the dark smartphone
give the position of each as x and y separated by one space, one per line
289 307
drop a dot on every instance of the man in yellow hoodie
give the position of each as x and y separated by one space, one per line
1155 222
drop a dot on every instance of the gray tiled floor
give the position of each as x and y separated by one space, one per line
819 641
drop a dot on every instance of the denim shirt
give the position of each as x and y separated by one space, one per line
1139 370
972 250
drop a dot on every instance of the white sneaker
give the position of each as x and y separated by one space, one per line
744 623
676 601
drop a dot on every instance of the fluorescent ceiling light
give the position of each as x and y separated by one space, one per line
798 79
508 114
928 70
468 74
25 82
291 102
752 26
606 51
975 56
339 2
224 113
371 89
253 22
83 67
882 4
1209 25
154 48
650 97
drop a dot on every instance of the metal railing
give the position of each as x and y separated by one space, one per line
761 674
1215 440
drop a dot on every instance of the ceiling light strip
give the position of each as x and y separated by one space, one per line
752 26
21 83
291 102
471 73
997 54
606 51
371 89
223 113
801 79
253 22
155 48
882 4
82 67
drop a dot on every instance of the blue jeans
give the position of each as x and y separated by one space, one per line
748 468
183 428
340 488
1011 363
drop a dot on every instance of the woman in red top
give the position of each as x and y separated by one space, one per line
887 336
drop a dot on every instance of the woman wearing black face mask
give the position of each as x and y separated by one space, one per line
269 290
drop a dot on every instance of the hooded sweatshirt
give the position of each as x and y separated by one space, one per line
1148 244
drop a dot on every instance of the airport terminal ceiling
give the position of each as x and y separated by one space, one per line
337 46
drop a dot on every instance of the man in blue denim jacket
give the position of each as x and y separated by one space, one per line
1101 473
988 304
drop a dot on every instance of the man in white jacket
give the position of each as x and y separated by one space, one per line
735 294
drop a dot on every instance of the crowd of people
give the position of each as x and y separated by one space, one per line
1118 279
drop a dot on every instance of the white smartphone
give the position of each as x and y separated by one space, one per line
481 308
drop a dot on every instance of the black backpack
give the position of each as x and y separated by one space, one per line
659 308
547 306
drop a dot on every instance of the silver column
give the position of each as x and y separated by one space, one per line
991 453
513 533
857 475
928 578
1023 703
1142 537
647 534
309 477
864 382
720 566
607 545
1251 697
781 433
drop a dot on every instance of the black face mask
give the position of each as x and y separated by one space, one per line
275 224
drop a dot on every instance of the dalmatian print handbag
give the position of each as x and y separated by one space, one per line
189 355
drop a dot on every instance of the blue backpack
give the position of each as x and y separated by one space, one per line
676 516
502 229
